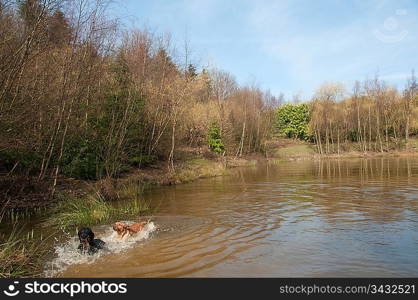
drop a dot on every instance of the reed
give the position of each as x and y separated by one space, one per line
95 209
21 255
134 203
87 211
15 215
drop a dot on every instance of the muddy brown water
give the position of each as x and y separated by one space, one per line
355 217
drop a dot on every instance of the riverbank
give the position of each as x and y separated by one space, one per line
28 193
290 149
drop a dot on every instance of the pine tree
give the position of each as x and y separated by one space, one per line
59 30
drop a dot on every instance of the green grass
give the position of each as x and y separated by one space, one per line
95 209
295 151
20 255
136 204
199 168
88 210
15 215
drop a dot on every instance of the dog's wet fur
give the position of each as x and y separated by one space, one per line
124 230
88 244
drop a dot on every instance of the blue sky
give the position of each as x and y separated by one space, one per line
289 46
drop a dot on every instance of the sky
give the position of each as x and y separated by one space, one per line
289 46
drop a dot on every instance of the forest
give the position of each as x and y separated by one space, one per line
374 117
82 97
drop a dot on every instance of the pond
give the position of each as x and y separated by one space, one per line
325 218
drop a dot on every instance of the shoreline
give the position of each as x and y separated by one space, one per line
157 175
186 171
346 155
289 149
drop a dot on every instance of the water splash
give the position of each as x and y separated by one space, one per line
67 254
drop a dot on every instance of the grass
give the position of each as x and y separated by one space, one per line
88 210
295 151
136 204
289 149
413 143
94 209
15 215
20 255
199 168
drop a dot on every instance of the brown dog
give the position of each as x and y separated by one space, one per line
122 228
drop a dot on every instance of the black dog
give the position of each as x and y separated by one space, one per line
88 243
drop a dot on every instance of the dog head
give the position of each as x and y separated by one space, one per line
120 228
86 236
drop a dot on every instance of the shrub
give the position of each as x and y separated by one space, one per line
20 160
81 160
142 160
292 121
214 139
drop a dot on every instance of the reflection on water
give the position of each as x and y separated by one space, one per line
309 218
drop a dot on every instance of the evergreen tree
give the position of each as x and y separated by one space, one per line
59 30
